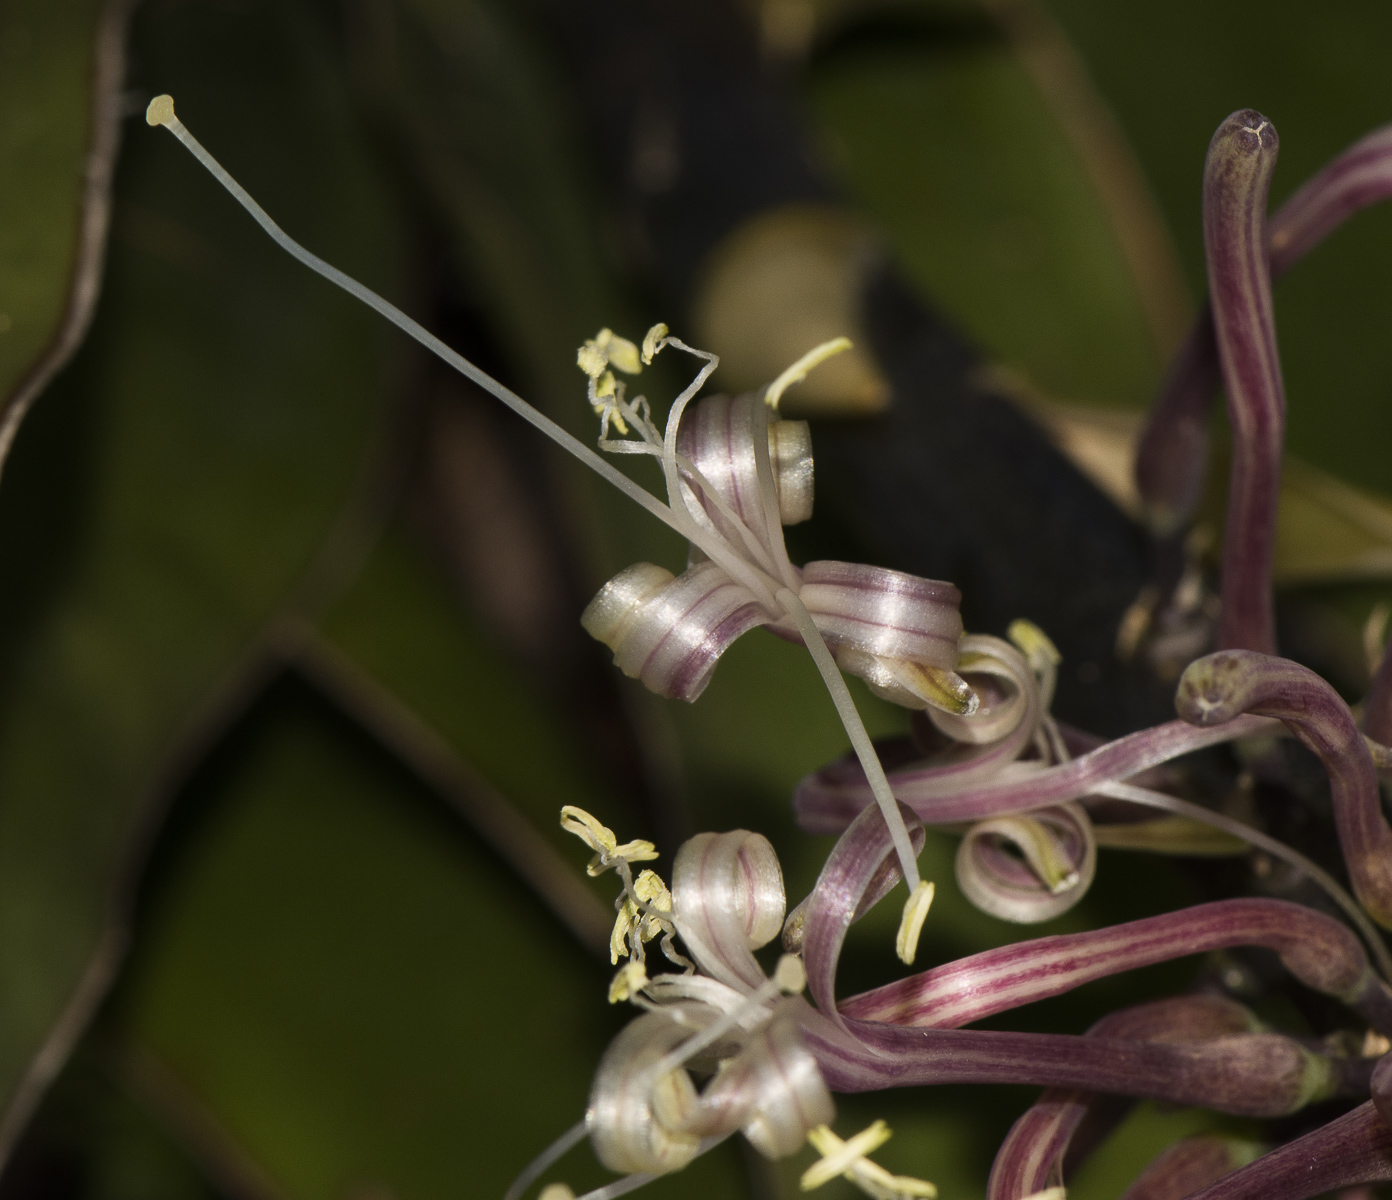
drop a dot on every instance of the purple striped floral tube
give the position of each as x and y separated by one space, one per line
860 870
1353 1149
1220 687
1030 1158
886 613
717 438
1258 1074
898 632
671 631
828 800
1319 951
1171 459
1028 868
1237 175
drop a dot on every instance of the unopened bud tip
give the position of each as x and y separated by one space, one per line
160 110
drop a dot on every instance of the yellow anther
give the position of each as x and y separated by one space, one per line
623 925
605 386
651 340
790 975
605 350
1049 1193
1034 644
599 838
160 111
839 1156
591 359
649 888
848 1159
630 979
874 1180
556 1191
798 371
911 924
636 851
622 353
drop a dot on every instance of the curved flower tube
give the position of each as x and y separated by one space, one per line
717 440
1216 689
858 872
727 901
1057 858
1258 1075
1318 950
1172 456
1030 1158
1237 175
828 800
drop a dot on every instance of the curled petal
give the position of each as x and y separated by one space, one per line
1006 689
860 870
670 631
1318 950
1219 688
776 1087
717 437
670 989
888 614
1052 869
635 1121
728 900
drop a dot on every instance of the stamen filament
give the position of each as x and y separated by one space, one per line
543 1161
1270 845
855 729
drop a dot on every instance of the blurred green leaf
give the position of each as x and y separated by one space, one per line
948 145
173 488
60 74
356 989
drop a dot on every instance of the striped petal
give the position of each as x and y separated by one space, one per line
669 631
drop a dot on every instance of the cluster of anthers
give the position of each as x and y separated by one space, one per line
1031 798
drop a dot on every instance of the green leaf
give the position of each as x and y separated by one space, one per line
354 987
60 76
950 147
172 491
